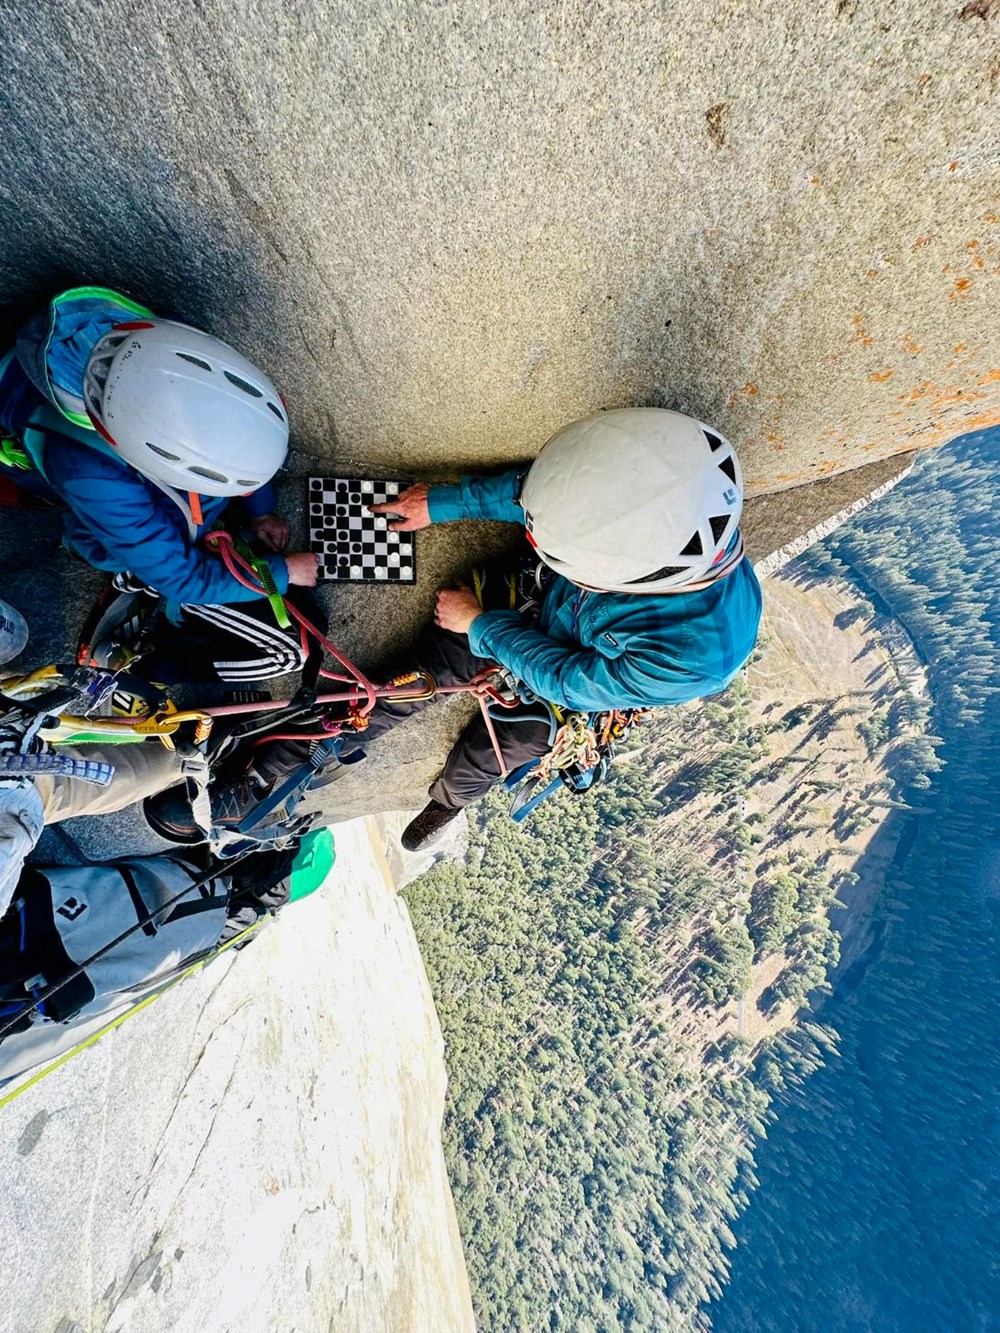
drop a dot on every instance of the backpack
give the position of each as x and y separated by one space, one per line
41 377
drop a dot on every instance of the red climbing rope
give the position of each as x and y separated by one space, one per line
243 572
487 686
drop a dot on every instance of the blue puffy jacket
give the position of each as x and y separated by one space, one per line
117 520
598 650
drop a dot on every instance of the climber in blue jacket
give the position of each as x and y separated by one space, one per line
146 430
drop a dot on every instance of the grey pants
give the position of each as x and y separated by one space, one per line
140 771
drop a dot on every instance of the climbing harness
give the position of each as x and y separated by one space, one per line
582 750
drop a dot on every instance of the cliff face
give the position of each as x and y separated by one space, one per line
259 1150
446 235
448 230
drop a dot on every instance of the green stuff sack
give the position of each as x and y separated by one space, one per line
313 862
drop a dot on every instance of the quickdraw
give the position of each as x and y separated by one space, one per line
259 567
583 749
45 702
575 746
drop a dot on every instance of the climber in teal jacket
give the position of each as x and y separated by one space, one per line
643 596
594 649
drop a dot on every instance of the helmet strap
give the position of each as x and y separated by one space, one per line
195 501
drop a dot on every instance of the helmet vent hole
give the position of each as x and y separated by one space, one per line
242 481
694 546
164 453
194 360
277 411
728 467
718 524
714 441
251 389
667 572
208 474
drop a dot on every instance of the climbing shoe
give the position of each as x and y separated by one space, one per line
169 813
113 633
433 818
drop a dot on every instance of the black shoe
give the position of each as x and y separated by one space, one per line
169 813
427 825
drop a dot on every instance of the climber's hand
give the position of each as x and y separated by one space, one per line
456 609
411 506
271 531
301 569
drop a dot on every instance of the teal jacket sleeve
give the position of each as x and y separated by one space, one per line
577 677
118 512
479 497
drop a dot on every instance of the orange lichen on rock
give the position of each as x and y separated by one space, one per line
880 376
908 345
749 389
960 291
861 334
939 396
921 241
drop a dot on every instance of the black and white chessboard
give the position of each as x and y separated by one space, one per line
353 545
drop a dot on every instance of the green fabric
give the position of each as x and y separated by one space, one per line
13 455
103 294
313 862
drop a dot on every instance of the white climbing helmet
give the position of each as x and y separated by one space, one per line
185 409
635 500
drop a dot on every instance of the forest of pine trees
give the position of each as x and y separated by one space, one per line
596 1169
917 1081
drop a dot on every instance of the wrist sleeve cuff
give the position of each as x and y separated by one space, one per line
445 503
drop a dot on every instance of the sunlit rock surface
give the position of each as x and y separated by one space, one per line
448 230
259 1150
